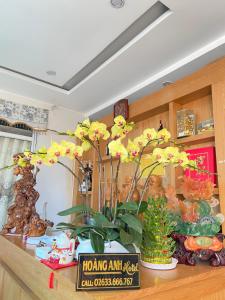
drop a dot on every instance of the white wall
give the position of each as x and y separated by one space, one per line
55 184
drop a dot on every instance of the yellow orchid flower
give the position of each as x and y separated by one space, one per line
182 159
42 150
45 159
67 149
171 154
117 132
98 131
117 149
81 131
36 159
55 150
128 127
141 141
150 134
159 155
120 121
86 123
133 149
49 160
78 151
192 164
86 145
27 154
147 166
163 135
21 162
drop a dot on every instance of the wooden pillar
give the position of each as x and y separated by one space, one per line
173 108
218 100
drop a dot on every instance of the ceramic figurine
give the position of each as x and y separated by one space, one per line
61 251
62 255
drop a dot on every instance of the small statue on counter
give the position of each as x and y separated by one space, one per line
22 215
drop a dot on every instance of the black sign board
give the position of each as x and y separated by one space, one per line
108 271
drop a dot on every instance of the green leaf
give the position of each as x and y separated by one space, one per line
101 220
82 229
66 225
143 207
132 222
137 237
97 242
130 248
131 205
75 209
125 237
111 235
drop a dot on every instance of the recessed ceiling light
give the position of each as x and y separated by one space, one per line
117 3
51 72
166 83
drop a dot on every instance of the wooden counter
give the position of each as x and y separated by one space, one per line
23 277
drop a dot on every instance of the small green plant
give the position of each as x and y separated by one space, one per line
157 246
126 228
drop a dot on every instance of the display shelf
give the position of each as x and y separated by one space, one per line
216 191
207 136
84 193
203 92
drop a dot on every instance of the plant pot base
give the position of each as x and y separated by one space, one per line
170 266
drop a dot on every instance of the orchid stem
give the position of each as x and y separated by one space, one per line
145 187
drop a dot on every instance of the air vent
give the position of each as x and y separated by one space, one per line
148 18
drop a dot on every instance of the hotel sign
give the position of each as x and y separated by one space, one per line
108 271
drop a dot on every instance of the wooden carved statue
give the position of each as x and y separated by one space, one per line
22 215
156 189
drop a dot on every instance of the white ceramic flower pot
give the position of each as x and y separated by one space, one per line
170 266
110 247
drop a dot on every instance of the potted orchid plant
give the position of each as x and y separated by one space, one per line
115 222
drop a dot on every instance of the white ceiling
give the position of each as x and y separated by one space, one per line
64 36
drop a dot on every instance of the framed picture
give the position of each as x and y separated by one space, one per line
121 108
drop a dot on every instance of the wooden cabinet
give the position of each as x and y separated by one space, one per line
12 288
22 277
204 93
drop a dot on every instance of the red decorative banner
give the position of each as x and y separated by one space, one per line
206 160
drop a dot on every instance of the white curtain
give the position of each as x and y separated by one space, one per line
8 147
